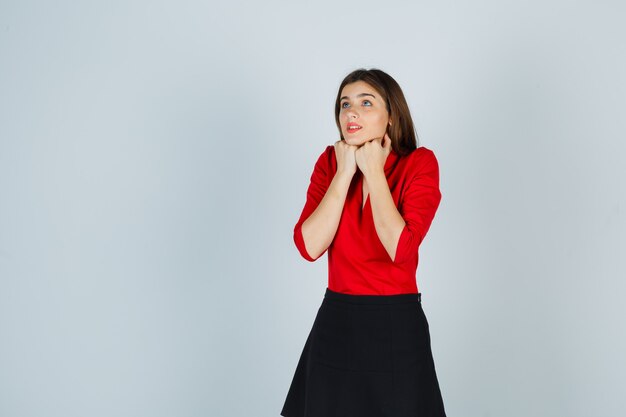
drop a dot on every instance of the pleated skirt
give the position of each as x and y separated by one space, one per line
366 356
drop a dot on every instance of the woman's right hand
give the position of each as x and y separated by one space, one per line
346 160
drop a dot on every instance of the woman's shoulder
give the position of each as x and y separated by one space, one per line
326 160
328 153
422 152
421 161
421 155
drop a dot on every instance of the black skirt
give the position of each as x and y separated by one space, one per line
366 356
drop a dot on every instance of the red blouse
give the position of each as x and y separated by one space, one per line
357 261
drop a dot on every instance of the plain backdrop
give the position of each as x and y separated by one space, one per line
154 158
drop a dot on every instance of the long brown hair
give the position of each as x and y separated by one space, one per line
402 131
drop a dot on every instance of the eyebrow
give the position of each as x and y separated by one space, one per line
359 95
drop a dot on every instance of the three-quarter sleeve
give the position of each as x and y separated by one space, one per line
316 191
418 207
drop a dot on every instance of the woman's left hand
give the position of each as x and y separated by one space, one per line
371 156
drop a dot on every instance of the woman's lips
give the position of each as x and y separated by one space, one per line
350 128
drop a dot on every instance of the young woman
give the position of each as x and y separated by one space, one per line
371 200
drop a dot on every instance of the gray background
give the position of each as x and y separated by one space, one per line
154 157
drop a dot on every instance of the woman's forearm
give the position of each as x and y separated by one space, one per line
319 229
387 220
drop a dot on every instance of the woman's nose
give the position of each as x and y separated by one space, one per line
352 114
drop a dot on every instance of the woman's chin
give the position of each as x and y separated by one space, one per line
354 141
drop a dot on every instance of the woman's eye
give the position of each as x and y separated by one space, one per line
365 102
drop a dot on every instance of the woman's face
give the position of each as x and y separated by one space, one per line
362 107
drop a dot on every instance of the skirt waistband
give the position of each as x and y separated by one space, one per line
372 299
